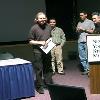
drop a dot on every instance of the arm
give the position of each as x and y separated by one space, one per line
63 38
86 29
92 28
80 29
89 30
37 42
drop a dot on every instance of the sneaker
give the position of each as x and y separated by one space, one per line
85 73
61 73
54 73
40 90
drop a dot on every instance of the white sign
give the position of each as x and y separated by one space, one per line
93 44
49 46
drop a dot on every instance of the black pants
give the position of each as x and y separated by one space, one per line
42 65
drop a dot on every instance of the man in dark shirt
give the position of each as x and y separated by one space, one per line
39 33
96 20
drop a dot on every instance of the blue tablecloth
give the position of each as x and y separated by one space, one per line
16 81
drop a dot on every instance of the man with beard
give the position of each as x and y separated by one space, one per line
39 34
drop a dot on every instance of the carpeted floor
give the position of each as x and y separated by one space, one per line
72 77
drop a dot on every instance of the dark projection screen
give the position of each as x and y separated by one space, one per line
16 18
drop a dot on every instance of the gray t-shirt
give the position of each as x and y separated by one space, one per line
87 25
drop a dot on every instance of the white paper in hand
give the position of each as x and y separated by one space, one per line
46 48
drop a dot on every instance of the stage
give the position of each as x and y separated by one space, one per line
72 77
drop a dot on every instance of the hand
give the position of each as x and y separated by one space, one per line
80 29
45 46
43 43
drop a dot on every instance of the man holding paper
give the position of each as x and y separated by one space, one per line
39 34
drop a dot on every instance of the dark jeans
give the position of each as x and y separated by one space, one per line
42 65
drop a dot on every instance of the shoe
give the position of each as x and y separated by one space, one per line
85 73
54 73
61 73
40 90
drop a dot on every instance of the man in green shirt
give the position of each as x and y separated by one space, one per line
58 37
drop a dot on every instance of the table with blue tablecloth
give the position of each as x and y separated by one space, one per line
16 79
